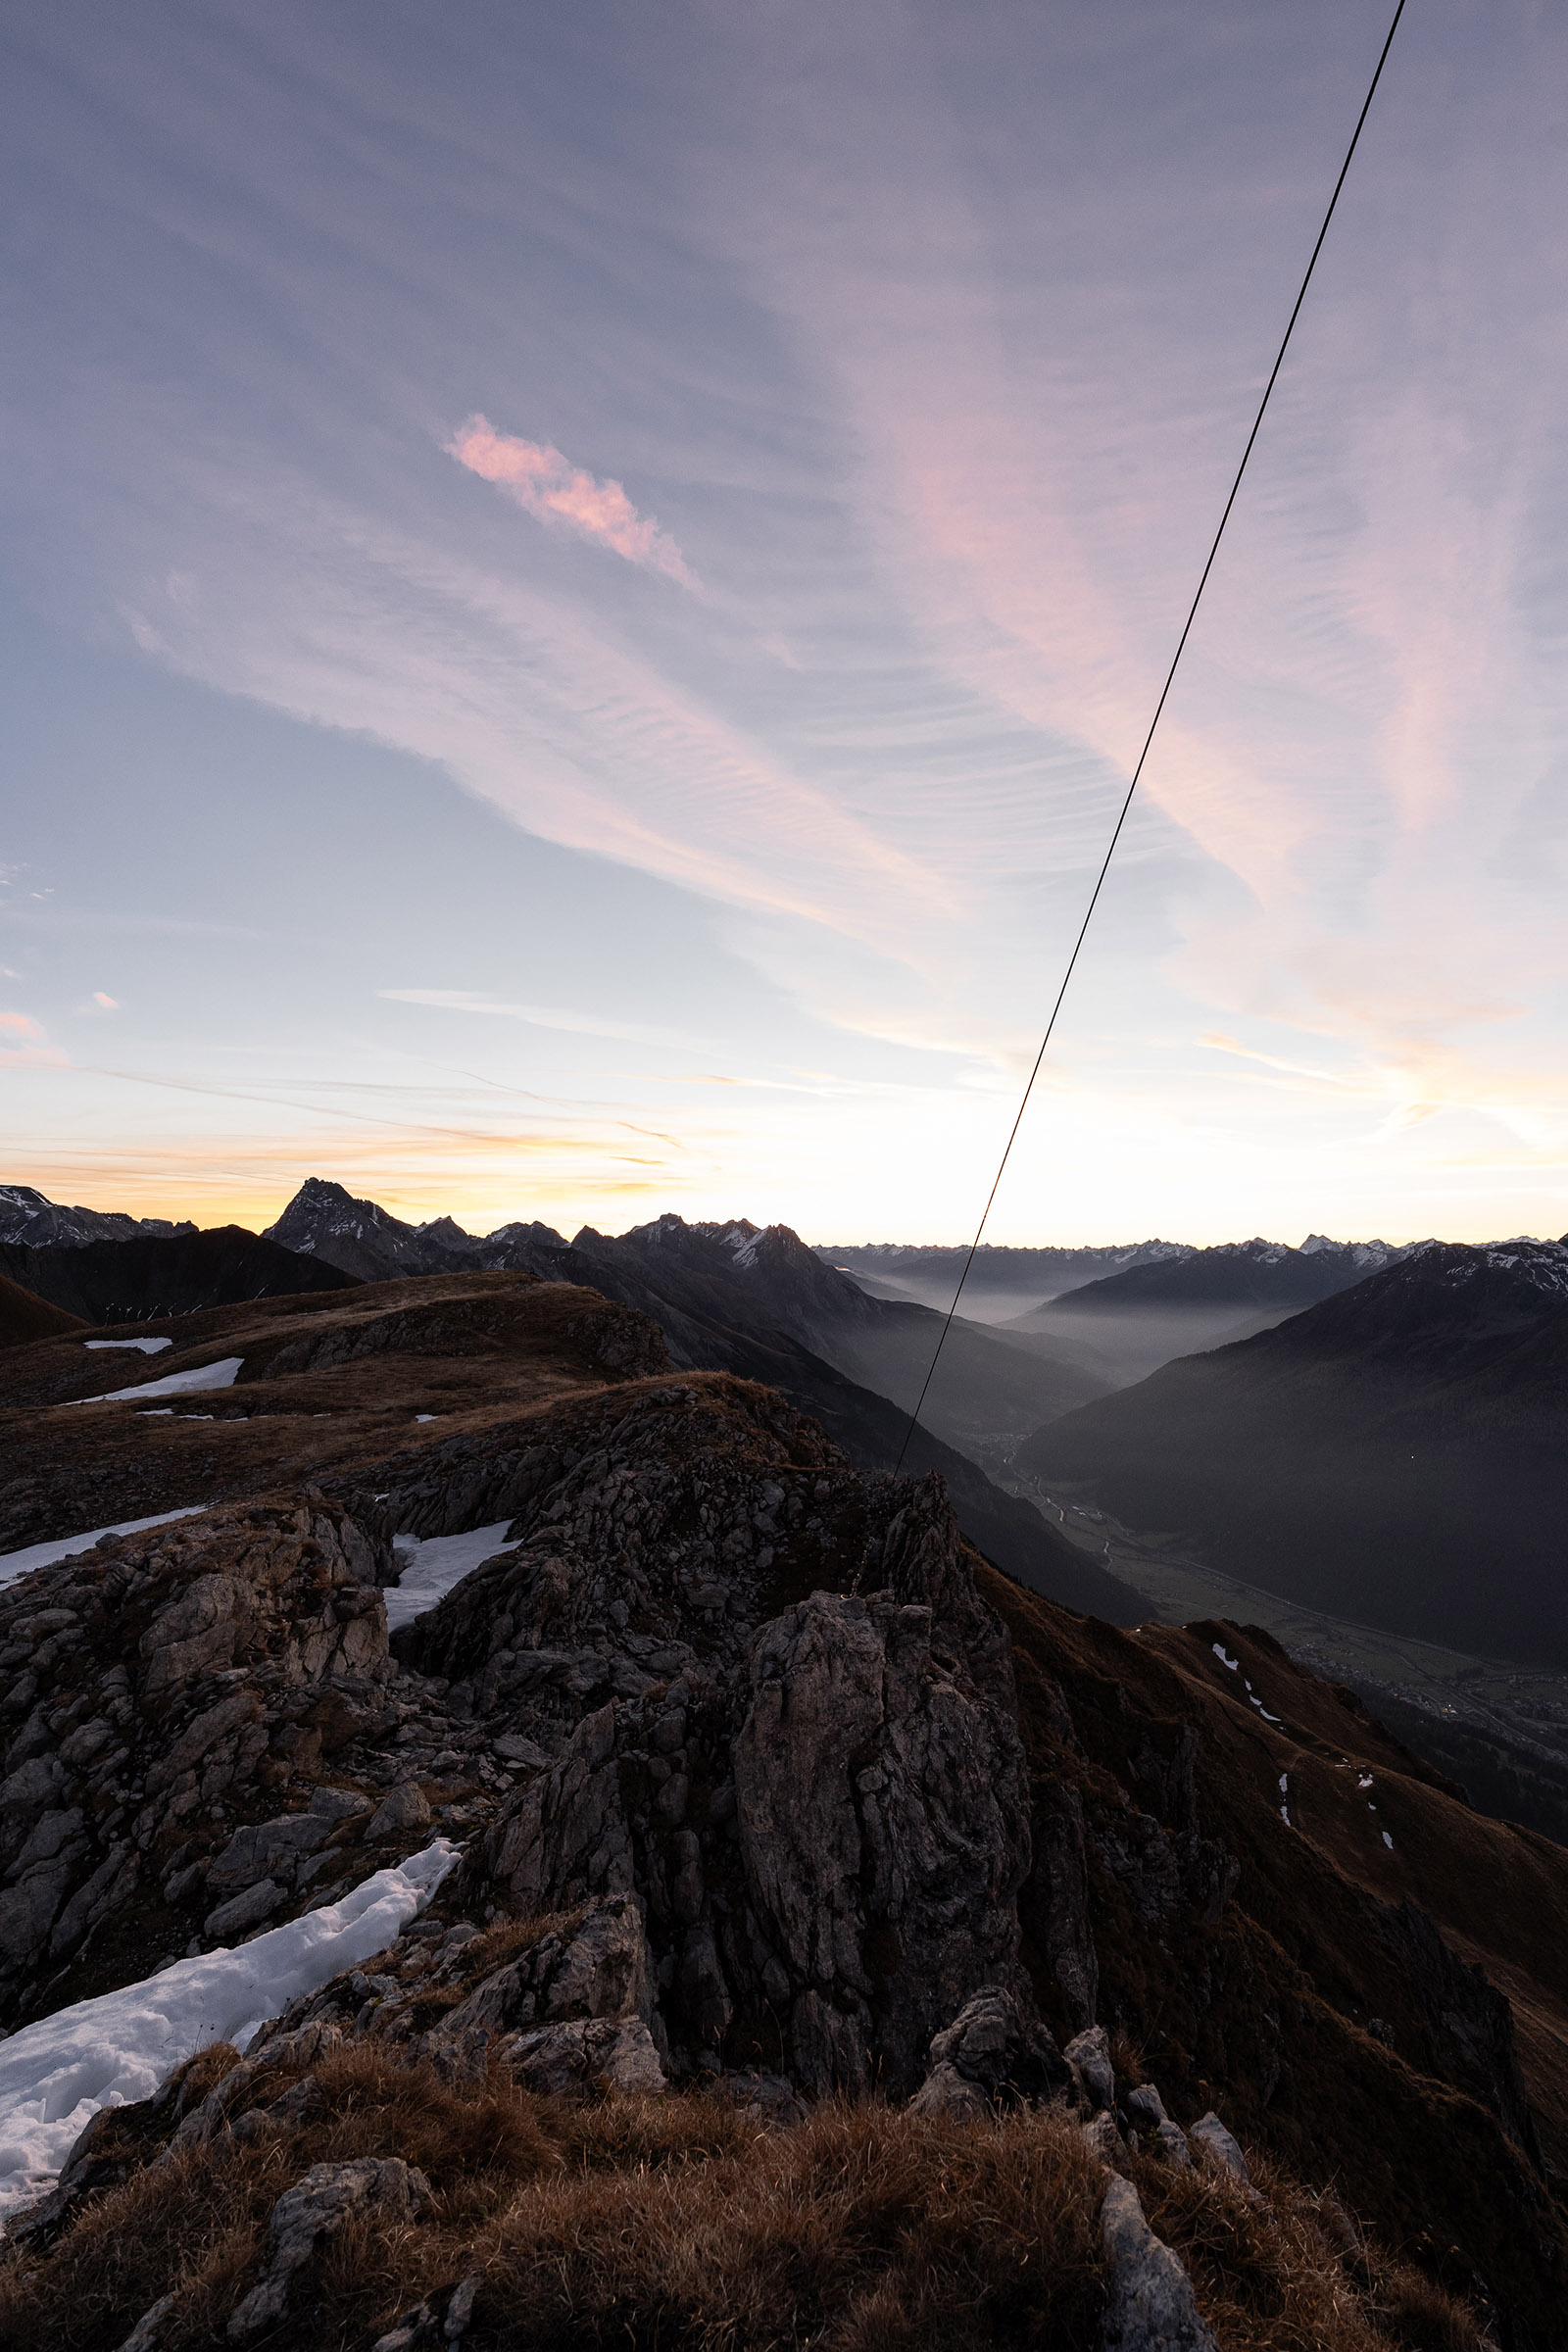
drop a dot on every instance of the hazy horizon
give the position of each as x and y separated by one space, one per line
413 1214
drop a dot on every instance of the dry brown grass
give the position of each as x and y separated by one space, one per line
657 2224
1291 2273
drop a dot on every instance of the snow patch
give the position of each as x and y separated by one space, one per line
173 1384
44 1556
146 1347
1231 1664
430 1568
1388 1842
108 2052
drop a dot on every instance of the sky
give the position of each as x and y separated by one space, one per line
580 587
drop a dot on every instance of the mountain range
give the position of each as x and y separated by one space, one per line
1126 1323
29 1219
784 1919
1002 1280
1393 1454
756 1304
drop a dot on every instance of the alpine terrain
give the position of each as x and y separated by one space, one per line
515 1839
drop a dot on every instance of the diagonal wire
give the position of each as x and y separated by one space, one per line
1160 707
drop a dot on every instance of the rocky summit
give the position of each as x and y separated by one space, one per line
798 1932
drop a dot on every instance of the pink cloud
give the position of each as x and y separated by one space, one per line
551 487
17 1025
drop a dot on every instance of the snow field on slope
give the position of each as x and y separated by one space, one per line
44 1556
173 1384
142 1347
117 2049
431 1567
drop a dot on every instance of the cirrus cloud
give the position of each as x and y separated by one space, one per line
549 486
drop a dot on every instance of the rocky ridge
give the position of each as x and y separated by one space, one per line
770 1788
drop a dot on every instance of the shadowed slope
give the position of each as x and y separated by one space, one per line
1393 1455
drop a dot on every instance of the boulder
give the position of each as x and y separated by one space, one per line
268 1849
407 1808
994 2053
1210 2135
587 2056
1150 2306
154 2326
313 2209
337 1805
1089 2054
1101 2137
244 1910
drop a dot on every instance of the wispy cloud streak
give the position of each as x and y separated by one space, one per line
548 485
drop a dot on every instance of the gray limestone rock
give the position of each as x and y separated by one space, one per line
169 1675
152 2328
945 2092
268 1849
244 1910
407 1808
881 1802
595 1968
996 2052
1101 2137
1210 2135
1143 2107
1150 2307
337 1805
1090 2053
313 2209
587 2055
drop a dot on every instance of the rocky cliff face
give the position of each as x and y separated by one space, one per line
773 1785
153 1684
775 1709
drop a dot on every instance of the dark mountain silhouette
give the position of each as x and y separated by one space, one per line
987 1394
1002 1279
1127 1324
757 1302
1237 1275
28 1217
25 1316
1392 1455
685 1277
179 1274
362 1239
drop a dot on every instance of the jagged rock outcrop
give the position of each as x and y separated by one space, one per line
1469 2033
151 1679
1211 2137
995 2054
1150 2306
822 1805
316 2208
